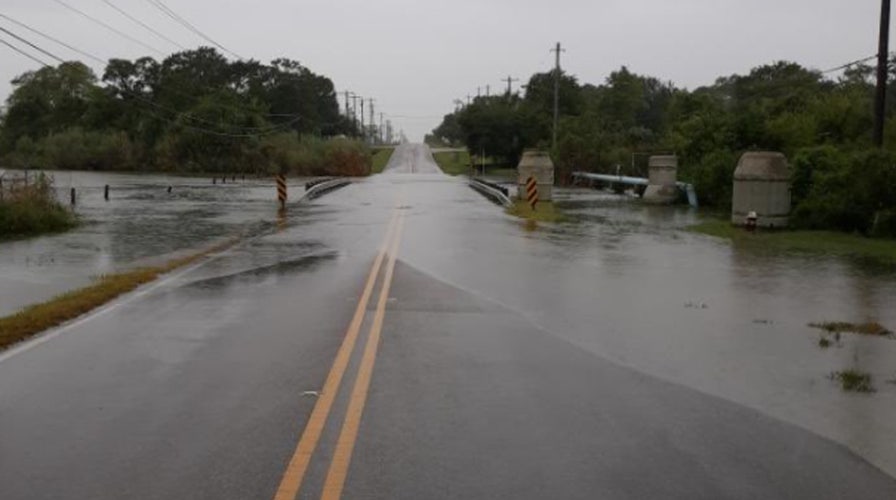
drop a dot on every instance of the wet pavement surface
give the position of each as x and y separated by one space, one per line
612 356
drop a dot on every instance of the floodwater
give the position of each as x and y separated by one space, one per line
627 282
141 223
621 280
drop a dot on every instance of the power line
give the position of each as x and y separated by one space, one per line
260 131
853 63
110 28
29 56
104 62
144 25
186 24
52 39
35 47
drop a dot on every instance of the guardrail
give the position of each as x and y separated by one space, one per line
496 192
318 187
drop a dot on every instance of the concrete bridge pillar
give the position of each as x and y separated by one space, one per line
537 164
662 176
761 185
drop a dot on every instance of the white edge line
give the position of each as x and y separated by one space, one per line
52 333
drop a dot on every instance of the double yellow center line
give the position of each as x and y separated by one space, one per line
336 474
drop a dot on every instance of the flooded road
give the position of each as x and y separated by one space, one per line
142 223
614 356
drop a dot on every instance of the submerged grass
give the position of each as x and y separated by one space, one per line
821 242
39 317
853 380
868 328
381 159
545 211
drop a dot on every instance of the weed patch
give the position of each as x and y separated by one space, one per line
545 211
872 328
853 380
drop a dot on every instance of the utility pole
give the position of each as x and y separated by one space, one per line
363 134
382 132
558 50
372 126
478 92
355 110
488 91
346 104
883 51
510 81
468 99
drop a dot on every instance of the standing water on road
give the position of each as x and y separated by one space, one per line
628 282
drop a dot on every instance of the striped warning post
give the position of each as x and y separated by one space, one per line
281 190
532 192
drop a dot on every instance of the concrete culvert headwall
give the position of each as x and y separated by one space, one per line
662 176
762 185
537 164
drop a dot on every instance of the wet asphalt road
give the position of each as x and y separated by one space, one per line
481 385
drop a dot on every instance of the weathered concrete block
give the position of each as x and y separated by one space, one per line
662 176
762 185
536 164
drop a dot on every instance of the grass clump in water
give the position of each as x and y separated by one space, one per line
868 328
39 317
27 210
853 381
545 211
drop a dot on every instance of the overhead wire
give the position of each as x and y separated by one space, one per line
108 27
259 131
102 61
53 39
35 47
189 26
144 25
29 56
853 63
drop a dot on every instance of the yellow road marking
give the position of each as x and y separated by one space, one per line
342 456
298 464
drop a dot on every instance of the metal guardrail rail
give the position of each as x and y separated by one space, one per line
318 187
497 193
686 188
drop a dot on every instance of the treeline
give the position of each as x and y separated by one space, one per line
192 111
822 125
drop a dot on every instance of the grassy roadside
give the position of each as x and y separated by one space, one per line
39 317
544 211
380 159
819 242
453 162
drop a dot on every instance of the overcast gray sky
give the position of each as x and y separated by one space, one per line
416 57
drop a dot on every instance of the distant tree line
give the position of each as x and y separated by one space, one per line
192 111
822 125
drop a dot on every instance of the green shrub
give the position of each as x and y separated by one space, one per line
713 177
859 195
810 164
